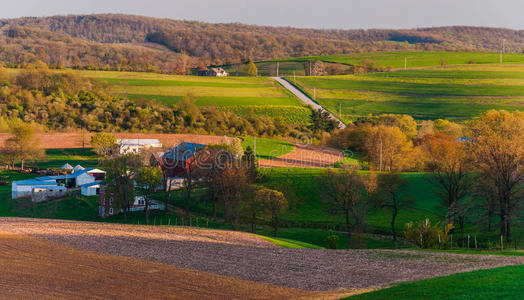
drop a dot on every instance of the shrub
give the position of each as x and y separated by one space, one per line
331 242
426 236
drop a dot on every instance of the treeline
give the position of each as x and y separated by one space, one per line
65 102
21 46
477 168
122 42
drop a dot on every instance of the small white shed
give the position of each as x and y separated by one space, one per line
90 189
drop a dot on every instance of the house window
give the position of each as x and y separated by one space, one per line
111 211
111 201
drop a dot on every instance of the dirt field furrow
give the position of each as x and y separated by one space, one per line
248 257
38 269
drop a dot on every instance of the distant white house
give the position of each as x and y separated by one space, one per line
136 145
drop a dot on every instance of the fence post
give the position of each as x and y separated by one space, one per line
168 221
468 241
154 221
501 242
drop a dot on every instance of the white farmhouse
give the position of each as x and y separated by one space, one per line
136 145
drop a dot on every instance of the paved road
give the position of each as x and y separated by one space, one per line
305 98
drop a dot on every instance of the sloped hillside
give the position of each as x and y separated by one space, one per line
128 42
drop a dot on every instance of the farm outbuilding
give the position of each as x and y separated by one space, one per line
66 167
44 193
137 145
78 168
24 188
90 189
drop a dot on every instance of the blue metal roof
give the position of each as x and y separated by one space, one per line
183 151
91 184
35 182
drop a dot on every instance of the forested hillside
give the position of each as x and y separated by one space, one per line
123 42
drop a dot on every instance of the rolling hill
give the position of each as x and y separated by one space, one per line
124 42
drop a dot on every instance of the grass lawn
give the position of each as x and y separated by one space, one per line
498 283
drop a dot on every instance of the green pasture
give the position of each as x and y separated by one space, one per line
416 59
242 95
267 148
457 94
497 283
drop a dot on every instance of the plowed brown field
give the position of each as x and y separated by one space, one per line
246 257
39 269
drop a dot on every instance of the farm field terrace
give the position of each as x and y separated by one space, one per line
454 93
241 95
414 59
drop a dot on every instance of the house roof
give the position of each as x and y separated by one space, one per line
88 170
67 166
183 151
78 167
36 182
139 142
91 184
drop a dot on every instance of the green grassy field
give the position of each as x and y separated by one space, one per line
267 148
416 59
498 283
307 220
303 190
454 93
242 95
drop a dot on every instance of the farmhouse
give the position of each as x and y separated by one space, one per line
108 207
136 145
177 160
217 72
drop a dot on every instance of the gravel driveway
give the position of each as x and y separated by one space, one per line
248 257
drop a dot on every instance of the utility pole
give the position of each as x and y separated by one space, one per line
503 49
340 111
380 159
405 63
277 68
294 76
314 93
310 68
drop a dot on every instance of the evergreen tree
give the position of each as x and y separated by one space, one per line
251 69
